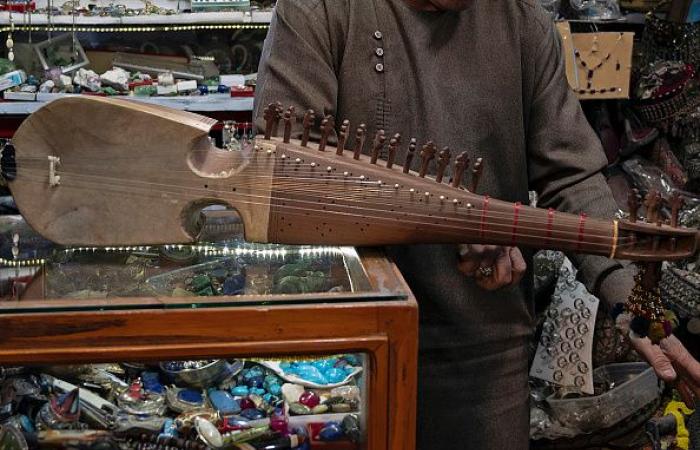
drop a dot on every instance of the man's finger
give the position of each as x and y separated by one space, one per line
503 270
654 356
677 353
518 264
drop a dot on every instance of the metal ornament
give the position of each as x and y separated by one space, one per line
565 351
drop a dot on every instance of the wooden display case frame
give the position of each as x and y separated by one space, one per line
384 328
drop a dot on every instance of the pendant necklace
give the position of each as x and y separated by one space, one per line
591 69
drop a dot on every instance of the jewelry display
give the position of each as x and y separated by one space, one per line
564 352
598 65
666 40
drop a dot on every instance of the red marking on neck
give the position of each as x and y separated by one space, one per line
581 230
550 225
516 213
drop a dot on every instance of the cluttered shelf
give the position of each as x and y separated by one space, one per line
209 103
195 18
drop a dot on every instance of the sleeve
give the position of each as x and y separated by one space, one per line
565 157
298 66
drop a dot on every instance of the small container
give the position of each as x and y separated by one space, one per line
635 385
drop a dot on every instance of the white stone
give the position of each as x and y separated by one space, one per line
117 78
291 392
47 86
87 79
28 88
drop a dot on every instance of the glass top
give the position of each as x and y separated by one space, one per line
220 270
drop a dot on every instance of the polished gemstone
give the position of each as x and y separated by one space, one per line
320 409
299 409
335 375
252 414
331 431
247 403
240 391
341 408
190 396
309 398
223 402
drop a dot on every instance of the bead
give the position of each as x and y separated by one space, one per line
656 332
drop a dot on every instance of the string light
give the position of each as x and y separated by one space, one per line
134 29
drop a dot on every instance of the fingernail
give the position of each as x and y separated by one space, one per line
668 373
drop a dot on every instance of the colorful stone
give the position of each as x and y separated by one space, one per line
240 391
331 431
309 398
299 409
279 421
320 409
223 402
252 414
190 396
246 403
335 375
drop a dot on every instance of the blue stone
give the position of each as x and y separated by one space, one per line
151 383
204 90
27 424
331 431
255 382
252 414
285 365
190 396
258 391
224 403
324 364
310 373
335 375
237 421
274 389
223 89
267 398
234 285
271 379
240 391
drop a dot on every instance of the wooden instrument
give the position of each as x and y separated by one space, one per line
97 171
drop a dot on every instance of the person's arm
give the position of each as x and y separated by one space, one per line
299 60
565 162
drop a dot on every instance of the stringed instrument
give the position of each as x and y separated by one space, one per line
100 172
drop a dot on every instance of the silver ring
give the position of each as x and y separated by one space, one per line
486 271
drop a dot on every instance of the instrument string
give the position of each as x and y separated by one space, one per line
363 215
357 193
365 203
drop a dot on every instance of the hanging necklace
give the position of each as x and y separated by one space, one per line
10 43
591 69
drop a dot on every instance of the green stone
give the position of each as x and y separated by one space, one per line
206 292
200 282
145 91
299 409
341 408
320 409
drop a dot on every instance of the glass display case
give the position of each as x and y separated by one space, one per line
220 344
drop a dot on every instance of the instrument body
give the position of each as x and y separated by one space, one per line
148 171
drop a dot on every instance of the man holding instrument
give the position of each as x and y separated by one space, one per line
485 76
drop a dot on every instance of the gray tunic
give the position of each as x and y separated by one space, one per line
488 80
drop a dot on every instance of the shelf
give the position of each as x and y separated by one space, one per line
201 18
204 103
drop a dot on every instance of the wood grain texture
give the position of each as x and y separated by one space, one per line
386 330
142 178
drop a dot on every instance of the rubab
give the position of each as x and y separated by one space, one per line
97 171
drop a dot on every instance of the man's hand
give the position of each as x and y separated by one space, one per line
492 266
673 364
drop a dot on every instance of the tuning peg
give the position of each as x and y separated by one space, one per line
270 115
379 140
461 164
327 125
307 123
288 118
427 154
410 155
279 111
359 140
633 204
393 149
676 205
651 203
342 137
443 161
476 174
